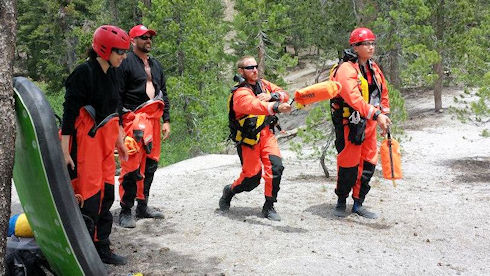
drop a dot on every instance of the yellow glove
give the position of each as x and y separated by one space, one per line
131 145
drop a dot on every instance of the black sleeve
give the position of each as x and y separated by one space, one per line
120 86
77 92
166 109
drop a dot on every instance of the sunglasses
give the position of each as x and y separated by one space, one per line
120 51
367 43
145 37
250 67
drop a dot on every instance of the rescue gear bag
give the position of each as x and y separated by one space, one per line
391 161
357 128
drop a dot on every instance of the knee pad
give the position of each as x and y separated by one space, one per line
277 167
249 183
151 166
367 171
132 176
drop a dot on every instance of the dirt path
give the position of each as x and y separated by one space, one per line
434 222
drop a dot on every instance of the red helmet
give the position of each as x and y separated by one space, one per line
107 37
361 34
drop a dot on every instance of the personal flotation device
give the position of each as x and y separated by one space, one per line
246 129
373 98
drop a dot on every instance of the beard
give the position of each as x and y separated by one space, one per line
143 48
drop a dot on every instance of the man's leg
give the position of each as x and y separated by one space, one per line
127 192
249 178
143 210
273 168
130 175
347 169
104 228
367 167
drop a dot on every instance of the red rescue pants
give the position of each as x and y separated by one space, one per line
355 163
264 155
93 177
137 172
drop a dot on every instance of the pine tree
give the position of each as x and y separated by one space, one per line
261 31
189 44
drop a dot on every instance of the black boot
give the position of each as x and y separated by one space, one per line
362 211
107 256
126 218
269 212
145 211
225 200
339 210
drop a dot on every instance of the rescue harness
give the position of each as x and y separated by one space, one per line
370 93
246 129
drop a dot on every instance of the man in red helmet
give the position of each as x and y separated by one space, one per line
252 106
361 105
91 130
143 83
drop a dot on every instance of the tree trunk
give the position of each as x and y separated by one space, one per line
7 121
356 9
261 54
180 52
438 67
137 15
114 12
147 3
393 57
70 57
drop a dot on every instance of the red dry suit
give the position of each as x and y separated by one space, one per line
93 179
143 125
363 96
265 153
89 118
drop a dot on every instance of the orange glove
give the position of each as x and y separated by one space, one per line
131 145
316 93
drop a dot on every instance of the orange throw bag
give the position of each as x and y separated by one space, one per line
316 93
391 161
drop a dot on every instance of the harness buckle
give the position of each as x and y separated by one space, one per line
355 117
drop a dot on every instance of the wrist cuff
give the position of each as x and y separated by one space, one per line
275 97
275 107
376 114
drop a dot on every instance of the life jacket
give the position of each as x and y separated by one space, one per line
370 93
246 129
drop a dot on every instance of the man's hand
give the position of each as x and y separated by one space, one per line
384 122
284 108
65 144
122 151
265 97
165 130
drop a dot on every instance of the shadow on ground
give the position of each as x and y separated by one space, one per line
325 210
254 216
471 169
154 258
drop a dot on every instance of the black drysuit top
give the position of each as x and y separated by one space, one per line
89 85
133 83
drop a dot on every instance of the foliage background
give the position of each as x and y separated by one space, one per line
421 44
